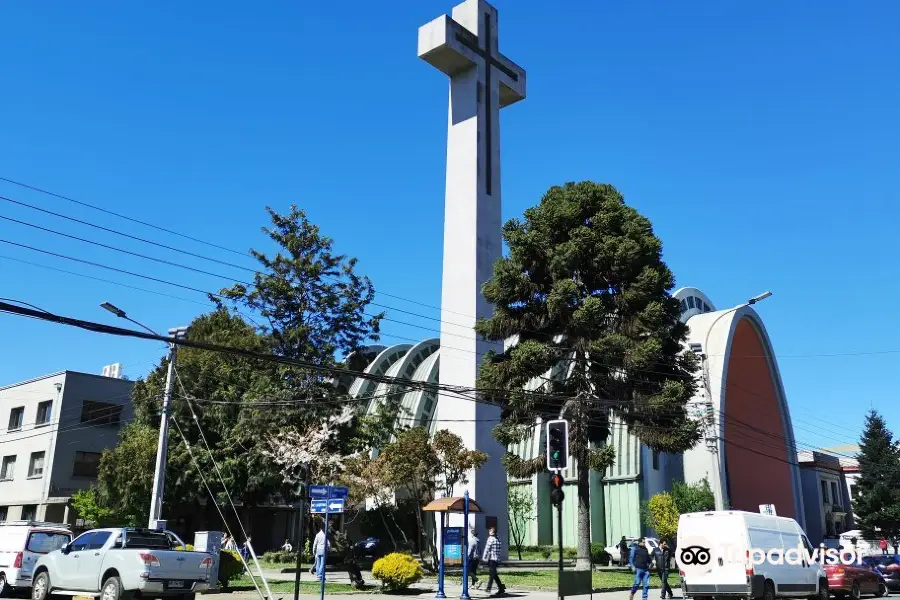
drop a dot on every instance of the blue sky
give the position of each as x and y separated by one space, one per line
760 138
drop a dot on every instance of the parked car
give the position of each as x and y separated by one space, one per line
117 563
888 566
613 551
726 540
371 547
846 580
22 543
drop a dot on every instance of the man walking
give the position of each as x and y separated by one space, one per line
640 562
318 551
474 544
663 560
623 552
883 545
491 556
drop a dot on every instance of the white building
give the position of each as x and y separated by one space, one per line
53 430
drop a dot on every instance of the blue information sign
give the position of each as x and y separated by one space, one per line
318 506
339 491
453 544
318 491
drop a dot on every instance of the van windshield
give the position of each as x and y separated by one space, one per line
43 542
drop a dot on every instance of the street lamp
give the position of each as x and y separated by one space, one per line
159 478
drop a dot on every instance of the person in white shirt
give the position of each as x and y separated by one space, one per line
318 550
287 546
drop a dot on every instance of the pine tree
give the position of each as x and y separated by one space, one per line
584 288
876 495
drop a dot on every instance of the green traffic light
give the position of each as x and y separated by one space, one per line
556 455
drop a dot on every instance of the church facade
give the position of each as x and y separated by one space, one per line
747 454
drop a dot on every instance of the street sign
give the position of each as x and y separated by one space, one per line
336 505
318 506
767 509
319 491
339 491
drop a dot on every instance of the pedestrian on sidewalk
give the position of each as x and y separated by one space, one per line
474 544
623 552
318 550
492 549
883 545
663 560
640 562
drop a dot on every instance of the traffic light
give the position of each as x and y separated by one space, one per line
556 493
557 445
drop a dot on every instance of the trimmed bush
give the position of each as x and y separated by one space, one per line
599 556
230 567
189 548
397 571
546 553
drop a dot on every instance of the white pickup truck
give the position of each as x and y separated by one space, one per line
118 564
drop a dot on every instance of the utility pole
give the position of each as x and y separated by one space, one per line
159 477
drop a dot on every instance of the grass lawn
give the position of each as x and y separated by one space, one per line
547 579
306 587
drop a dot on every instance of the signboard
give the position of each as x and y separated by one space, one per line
453 545
575 583
317 507
328 492
336 505
318 491
767 509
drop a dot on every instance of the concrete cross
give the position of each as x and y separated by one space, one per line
468 41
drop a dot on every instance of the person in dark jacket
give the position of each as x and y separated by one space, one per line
663 560
623 551
640 561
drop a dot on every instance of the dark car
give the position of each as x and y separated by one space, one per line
888 566
370 547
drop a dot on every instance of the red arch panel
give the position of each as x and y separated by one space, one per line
751 398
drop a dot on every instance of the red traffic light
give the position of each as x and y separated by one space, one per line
556 481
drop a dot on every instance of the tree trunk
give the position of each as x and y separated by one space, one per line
583 561
387 528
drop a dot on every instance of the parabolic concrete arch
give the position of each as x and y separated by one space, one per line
749 458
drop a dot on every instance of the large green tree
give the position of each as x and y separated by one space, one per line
305 303
876 502
585 290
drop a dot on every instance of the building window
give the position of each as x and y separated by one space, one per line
656 460
824 485
690 302
835 497
36 465
100 413
4 510
29 512
87 464
8 468
16 417
43 413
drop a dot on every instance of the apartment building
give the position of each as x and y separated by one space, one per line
825 496
53 430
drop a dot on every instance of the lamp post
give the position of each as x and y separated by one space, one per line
713 442
159 477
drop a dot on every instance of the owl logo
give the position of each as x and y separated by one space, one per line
695 557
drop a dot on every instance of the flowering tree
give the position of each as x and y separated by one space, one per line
316 448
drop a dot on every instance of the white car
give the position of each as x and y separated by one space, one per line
120 563
22 543
725 554
613 551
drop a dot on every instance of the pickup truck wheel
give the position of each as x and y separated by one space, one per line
112 589
4 587
40 590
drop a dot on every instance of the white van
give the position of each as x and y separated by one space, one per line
727 553
22 543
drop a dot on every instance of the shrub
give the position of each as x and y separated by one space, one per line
546 552
397 571
230 566
189 548
599 556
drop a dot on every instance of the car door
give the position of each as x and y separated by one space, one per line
91 560
65 576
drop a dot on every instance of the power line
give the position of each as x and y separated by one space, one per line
121 216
